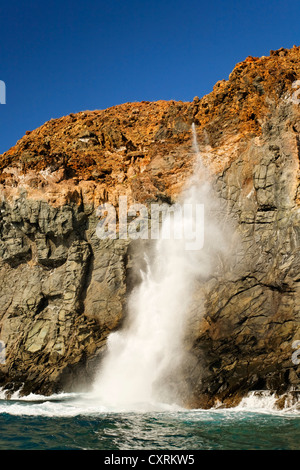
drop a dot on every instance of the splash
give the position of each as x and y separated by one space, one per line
143 356
270 401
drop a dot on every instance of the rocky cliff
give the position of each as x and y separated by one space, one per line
63 289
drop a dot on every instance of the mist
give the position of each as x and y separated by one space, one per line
150 346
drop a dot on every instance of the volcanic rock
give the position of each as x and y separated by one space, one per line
63 289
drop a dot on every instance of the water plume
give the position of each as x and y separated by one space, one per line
149 348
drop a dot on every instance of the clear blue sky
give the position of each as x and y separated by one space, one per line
58 57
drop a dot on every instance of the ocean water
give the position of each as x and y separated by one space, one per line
73 422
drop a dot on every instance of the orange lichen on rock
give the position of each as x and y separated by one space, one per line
145 148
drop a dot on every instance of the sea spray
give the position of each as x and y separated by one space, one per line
143 355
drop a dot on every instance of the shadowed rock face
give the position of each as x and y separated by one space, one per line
63 289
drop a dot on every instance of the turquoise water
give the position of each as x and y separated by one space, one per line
66 423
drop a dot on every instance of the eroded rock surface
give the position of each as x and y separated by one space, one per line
63 289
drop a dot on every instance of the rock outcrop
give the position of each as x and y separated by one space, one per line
63 289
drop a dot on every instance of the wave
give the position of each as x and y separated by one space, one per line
266 401
83 404
71 404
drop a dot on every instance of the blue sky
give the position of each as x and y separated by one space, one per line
58 57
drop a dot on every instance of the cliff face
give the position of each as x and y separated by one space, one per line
63 289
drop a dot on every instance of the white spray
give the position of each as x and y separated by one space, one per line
141 355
